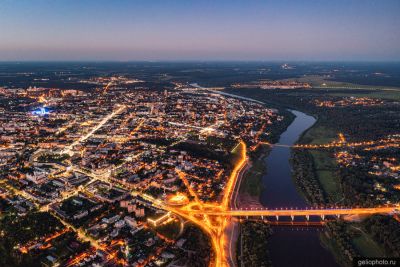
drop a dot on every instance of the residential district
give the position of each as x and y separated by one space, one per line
122 176
102 165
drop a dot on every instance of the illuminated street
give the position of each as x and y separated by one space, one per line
123 175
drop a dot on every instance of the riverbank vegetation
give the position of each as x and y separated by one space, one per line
253 243
339 240
278 127
348 240
306 178
252 178
315 173
386 230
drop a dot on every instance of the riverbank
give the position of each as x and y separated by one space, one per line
319 182
314 171
278 190
319 167
252 243
252 186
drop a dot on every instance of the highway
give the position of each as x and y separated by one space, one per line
234 231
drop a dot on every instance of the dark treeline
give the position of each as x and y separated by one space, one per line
253 244
339 233
304 173
387 231
274 132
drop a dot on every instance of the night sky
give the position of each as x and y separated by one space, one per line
367 30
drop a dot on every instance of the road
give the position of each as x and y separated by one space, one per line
306 212
97 127
219 220
234 230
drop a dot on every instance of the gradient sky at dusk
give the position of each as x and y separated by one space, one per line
199 30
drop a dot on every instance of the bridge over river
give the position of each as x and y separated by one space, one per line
390 210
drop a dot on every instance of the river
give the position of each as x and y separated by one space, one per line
288 246
291 246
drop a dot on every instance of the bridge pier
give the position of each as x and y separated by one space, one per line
324 214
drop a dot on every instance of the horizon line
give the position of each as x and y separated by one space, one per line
203 61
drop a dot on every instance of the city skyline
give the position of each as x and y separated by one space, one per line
182 31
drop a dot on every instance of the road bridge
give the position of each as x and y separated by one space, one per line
390 210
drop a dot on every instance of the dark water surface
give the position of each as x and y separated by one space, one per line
291 246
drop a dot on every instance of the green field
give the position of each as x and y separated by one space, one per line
383 94
336 88
325 169
320 82
323 161
252 178
251 182
319 134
